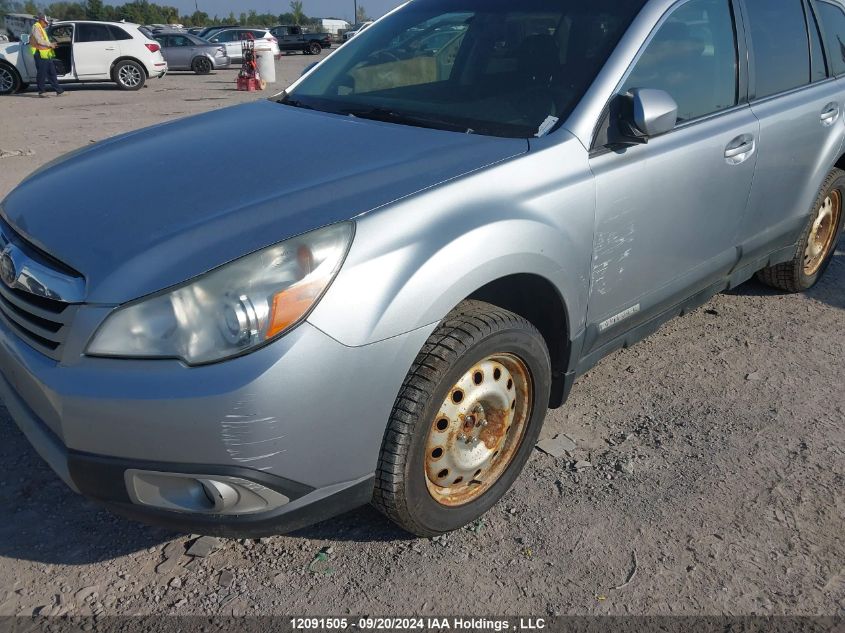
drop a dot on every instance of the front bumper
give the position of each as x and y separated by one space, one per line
298 417
221 63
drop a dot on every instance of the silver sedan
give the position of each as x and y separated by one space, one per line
188 52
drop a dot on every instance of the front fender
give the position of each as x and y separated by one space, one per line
13 54
413 261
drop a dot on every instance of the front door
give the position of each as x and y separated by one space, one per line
668 212
94 50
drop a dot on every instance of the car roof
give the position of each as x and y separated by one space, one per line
59 22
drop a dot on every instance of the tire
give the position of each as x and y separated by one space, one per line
314 48
202 66
10 80
129 75
818 241
483 354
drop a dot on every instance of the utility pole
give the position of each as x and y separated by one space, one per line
355 15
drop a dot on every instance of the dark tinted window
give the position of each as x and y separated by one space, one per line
179 40
818 69
93 33
833 26
693 58
495 67
118 33
781 48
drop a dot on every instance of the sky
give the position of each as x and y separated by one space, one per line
313 8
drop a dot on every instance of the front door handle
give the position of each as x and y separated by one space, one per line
830 114
110 48
740 149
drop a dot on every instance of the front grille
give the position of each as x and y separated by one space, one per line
42 323
35 312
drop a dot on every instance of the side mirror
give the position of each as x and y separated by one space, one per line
308 68
655 111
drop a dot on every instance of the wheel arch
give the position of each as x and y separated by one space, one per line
536 299
128 58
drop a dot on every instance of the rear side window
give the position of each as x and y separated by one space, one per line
93 33
832 18
118 33
817 57
781 47
692 57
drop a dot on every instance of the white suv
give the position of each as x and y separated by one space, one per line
87 51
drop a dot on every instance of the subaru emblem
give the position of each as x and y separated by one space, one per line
7 268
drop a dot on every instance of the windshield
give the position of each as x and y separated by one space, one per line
481 66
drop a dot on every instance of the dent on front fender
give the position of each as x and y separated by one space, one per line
414 261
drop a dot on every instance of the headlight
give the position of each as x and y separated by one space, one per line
231 310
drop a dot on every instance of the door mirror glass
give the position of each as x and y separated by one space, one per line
655 112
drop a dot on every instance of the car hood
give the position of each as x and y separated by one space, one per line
150 209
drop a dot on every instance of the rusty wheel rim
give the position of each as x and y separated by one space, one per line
478 430
823 233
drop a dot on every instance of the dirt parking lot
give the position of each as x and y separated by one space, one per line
716 482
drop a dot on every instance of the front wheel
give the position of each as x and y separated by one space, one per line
129 75
465 421
818 241
10 80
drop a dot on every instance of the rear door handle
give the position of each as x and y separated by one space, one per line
830 114
740 149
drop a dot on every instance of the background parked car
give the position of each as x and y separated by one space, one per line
88 51
208 31
188 52
293 38
355 30
232 39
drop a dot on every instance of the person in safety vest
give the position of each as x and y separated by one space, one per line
41 48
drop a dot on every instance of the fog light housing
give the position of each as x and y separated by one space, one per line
200 494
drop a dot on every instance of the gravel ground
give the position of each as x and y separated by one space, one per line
716 454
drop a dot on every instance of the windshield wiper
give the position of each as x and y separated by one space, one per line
391 116
294 103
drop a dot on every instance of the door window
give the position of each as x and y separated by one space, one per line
87 32
178 41
833 25
62 34
781 47
818 66
693 57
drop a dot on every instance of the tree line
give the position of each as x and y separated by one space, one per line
145 12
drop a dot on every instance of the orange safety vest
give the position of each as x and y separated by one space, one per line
45 52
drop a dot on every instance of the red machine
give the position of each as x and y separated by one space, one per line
249 78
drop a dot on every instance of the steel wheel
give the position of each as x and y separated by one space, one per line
478 430
823 233
129 76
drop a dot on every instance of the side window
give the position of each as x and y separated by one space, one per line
818 67
118 33
61 34
832 19
93 33
693 57
781 47
180 40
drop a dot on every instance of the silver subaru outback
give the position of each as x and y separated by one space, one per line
516 191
